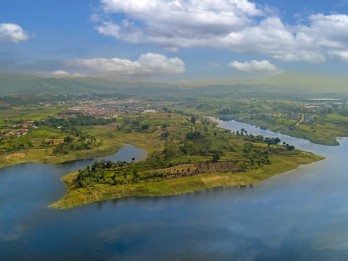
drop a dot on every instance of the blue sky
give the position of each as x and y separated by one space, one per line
174 39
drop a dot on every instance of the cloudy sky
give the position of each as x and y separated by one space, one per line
174 39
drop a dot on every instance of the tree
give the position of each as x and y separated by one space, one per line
109 164
68 139
216 157
276 140
290 147
193 119
145 126
242 131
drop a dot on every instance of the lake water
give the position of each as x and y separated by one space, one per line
299 215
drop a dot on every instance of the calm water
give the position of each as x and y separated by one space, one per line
300 215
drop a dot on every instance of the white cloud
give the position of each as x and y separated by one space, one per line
167 22
236 25
64 74
12 33
259 67
149 64
340 55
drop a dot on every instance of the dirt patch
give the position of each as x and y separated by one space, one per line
19 155
211 167
54 141
184 170
178 169
208 180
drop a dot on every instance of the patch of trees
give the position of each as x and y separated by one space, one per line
109 172
254 157
13 145
84 142
257 138
137 124
288 146
83 120
196 143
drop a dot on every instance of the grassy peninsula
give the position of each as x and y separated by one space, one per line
186 153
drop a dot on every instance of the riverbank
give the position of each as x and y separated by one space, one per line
100 192
325 135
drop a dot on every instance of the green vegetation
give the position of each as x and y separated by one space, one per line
195 154
49 139
317 120
78 196
320 123
186 151
67 123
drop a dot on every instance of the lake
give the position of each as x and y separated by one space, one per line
299 215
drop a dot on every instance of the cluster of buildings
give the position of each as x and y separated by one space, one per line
19 130
106 110
87 110
125 108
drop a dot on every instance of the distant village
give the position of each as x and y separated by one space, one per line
106 110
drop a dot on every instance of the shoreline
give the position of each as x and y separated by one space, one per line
78 196
101 192
269 126
25 157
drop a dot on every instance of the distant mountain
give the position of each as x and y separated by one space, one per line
13 83
308 82
25 84
277 86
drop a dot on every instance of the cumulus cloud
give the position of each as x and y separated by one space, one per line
149 64
12 33
177 23
259 67
236 25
